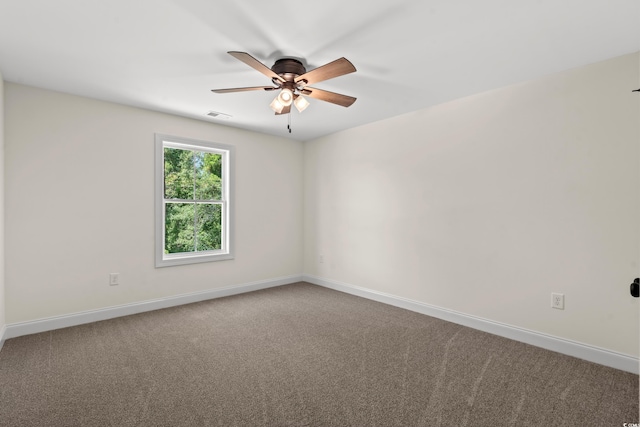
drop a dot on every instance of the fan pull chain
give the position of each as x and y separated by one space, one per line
289 124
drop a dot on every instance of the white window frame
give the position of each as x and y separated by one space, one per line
227 153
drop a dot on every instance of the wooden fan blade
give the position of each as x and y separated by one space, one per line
337 68
285 110
243 89
325 95
254 63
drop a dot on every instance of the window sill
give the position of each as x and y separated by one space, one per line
191 259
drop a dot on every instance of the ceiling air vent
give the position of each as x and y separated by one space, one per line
217 115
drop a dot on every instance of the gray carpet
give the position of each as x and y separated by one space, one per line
299 355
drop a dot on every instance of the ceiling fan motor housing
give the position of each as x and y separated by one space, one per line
288 68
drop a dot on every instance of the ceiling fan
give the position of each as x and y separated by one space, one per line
290 77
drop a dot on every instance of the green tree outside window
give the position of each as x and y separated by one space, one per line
193 194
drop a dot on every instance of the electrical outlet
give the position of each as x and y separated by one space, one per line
321 259
557 301
114 279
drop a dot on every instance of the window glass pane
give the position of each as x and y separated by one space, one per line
178 173
209 226
193 206
179 227
208 176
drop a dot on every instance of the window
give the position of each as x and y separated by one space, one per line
193 201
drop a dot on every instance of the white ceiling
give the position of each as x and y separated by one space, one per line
167 55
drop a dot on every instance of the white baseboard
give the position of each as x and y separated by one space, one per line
14 330
560 345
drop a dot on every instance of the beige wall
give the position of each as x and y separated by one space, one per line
488 204
79 199
2 298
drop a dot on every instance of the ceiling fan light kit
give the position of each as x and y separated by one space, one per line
301 103
285 97
290 77
276 105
